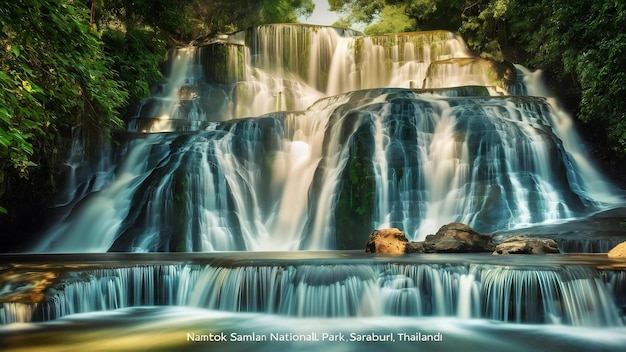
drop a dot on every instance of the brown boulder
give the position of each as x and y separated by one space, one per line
458 238
525 244
618 251
390 241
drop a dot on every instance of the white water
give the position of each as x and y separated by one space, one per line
273 182
572 295
592 182
166 329
96 225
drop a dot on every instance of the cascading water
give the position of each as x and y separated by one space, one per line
575 295
288 138
460 148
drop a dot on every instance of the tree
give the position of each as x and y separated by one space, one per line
53 75
421 14
206 19
393 19
356 11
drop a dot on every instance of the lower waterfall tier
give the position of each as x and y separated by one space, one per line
520 290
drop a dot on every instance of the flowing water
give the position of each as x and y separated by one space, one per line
306 299
282 141
213 162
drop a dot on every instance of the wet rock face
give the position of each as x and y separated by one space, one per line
388 241
618 251
458 238
525 244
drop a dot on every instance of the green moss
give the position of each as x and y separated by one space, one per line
355 204
180 194
222 62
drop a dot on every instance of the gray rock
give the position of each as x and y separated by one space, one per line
525 244
458 238
414 247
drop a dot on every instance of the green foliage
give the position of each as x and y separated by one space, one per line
484 27
391 16
206 19
601 70
356 11
437 14
53 75
166 15
393 19
135 55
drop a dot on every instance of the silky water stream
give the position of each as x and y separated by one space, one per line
235 213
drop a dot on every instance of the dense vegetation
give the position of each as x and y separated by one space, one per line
580 45
68 64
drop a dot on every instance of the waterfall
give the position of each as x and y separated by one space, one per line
573 295
80 176
101 212
587 178
292 143
291 137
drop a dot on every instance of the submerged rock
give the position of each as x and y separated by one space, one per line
524 244
618 251
458 238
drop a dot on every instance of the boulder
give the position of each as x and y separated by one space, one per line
390 241
458 238
414 247
524 244
618 251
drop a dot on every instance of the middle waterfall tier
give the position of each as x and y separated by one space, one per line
325 177
406 131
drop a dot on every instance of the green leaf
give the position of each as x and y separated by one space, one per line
5 140
5 116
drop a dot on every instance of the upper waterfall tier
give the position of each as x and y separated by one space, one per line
288 67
